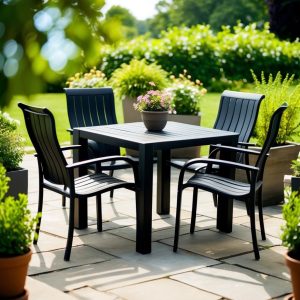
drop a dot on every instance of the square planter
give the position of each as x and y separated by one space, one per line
18 182
295 184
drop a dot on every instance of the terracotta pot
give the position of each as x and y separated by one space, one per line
155 120
294 266
13 272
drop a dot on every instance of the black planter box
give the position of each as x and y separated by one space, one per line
295 184
18 182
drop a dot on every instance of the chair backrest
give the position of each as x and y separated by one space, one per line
271 137
40 126
92 107
238 112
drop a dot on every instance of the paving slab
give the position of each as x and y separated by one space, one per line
54 260
88 293
271 262
235 283
211 244
163 288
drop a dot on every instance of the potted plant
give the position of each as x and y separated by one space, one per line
295 179
186 96
132 80
16 228
154 107
291 239
277 90
11 155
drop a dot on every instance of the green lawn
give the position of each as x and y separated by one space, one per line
57 104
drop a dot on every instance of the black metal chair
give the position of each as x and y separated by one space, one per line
57 175
230 188
95 107
237 112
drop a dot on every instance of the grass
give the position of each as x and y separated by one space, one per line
56 103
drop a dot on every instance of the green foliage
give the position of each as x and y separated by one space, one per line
291 229
186 94
93 78
16 222
11 143
226 56
295 166
43 40
133 79
278 90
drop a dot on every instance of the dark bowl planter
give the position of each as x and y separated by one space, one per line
18 182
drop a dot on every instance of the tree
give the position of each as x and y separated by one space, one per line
213 12
285 18
41 40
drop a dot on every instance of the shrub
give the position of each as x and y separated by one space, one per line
93 78
295 166
16 222
186 94
11 143
278 90
133 79
291 229
228 54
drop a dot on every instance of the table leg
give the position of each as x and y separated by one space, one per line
144 201
225 206
163 182
81 212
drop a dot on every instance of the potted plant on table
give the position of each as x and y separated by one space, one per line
276 91
16 228
11 155
154 107
291 239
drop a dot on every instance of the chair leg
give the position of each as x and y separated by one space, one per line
40 209
111 194
253 229
70 231
99 212
177 222
63 201
260 213
194 210
215 197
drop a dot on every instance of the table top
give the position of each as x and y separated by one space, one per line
174 135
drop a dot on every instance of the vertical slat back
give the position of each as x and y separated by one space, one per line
40 125
238 112
92 107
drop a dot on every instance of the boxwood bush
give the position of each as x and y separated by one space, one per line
209 56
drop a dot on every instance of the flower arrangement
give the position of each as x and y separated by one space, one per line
153 100
186 94
91 79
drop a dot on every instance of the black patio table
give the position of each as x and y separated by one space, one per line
135 136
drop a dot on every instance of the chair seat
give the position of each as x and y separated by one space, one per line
220 185
94 183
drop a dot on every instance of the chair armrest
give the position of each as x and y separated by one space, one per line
246 145
102 160
236 149
70 147
70 130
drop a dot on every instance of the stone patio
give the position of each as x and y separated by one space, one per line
208 264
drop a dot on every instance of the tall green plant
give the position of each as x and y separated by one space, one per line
278 90
133 79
